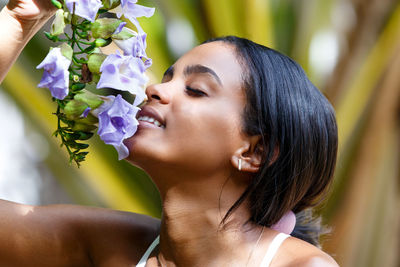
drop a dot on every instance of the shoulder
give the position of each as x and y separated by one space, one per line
319 261
122 237
296 252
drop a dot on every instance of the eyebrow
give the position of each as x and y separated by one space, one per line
169 72
194 69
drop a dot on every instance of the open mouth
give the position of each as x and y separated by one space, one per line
151 120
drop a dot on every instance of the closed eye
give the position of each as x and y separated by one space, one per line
194 92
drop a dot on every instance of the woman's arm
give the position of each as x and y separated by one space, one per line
39 236
19 21
68 235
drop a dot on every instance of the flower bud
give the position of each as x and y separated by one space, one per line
105 27
95 78
124 34
74 19
56 4
92 100
102 42
94 62
58 25
67 17
74 108
89 120
66 50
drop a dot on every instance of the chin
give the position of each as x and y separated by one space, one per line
139 153
134 152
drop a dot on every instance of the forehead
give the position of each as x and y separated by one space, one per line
219 57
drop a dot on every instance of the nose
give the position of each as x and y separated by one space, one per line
156 92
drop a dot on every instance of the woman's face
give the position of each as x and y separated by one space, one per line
199 104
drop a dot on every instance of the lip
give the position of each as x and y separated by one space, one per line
150 112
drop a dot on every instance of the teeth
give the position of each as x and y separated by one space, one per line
151 120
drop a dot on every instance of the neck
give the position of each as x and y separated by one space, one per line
191 226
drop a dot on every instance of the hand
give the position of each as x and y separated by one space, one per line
19 21
31 12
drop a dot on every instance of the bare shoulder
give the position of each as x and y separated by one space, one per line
296 252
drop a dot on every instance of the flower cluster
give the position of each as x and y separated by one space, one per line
78 65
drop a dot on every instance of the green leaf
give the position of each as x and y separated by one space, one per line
79 157
84 135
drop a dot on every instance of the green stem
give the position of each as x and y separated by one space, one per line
63 126
78 60
86 43
79 46
74 72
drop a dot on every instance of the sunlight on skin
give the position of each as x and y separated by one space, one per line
24 210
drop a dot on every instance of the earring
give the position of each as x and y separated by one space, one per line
240 164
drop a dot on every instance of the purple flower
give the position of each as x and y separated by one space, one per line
120 27
125 73
135 46
55 75
84 8
131 11
85 112
117 121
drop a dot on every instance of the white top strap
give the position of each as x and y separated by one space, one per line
273 248
146 255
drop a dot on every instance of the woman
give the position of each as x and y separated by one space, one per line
244 138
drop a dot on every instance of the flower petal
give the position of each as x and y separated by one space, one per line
117 122
56 74
125 73
84 8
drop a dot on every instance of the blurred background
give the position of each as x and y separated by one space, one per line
349 48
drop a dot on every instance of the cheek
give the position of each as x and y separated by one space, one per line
208 132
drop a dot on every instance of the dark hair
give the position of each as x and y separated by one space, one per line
291 116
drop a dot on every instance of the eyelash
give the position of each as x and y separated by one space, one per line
195 92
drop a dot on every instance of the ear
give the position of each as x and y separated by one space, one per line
248 155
